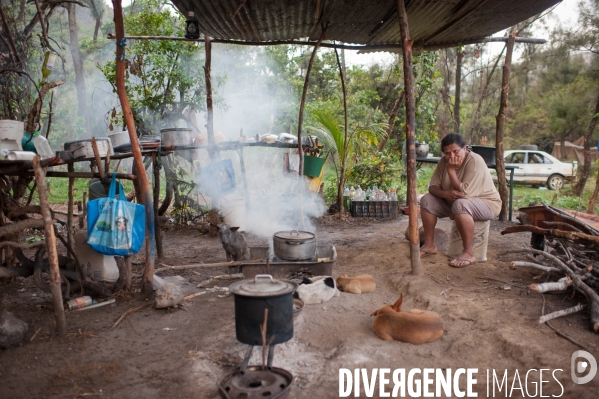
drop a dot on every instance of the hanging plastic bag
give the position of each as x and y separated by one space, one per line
115 226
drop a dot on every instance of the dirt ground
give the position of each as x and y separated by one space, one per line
489 315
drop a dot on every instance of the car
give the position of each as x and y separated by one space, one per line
538 168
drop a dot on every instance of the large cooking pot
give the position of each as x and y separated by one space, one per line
252 296
294 245
176 137
84 149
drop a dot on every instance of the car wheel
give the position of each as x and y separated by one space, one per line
555 182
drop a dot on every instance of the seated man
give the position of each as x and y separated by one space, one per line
461 188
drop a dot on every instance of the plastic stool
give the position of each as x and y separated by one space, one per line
481 240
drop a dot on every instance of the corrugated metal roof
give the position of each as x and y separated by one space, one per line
433 23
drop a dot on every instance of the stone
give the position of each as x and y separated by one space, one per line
167 296
12 330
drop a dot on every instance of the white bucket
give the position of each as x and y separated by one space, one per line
97 266
233 210
11 133
481 239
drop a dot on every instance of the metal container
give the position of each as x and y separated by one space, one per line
252 297
176 137
294 245
84 149
421 150
119 138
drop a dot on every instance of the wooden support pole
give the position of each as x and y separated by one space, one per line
303 101
500 129
458 89
410 137
345 134
146 285
244 178
157 232
209 107
54 271
129 267
70 210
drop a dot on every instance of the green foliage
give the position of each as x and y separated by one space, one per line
162 79
384 170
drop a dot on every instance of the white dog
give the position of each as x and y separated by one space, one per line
317 289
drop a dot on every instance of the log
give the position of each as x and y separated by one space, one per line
122 280
21 246
558 285
70 208
408 74
54 271
560 313
570 235
535 266
18 227
595 316
144 184
210 265
578 283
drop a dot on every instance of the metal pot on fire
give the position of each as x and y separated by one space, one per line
294 245
252 297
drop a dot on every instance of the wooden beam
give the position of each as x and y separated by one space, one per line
146 285
500 128
368 48
53 267
303 101
410 137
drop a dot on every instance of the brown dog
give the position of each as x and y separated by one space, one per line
356 285
415 327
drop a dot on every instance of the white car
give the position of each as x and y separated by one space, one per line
538 168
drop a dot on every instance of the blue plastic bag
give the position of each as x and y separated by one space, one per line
115 226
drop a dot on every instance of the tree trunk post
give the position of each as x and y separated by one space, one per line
77 62
71 205
410 137
209 106
157 231
146 285
500 129
391 121
303 101
458 89
53 268
345 121
586 168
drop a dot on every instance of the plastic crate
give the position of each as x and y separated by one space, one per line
374 209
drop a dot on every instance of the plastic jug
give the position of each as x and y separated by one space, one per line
97 266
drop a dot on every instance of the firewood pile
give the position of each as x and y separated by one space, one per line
568 251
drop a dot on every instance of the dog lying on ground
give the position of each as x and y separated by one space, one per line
356 285
414 327
316 289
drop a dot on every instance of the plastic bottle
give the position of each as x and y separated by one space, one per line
80 302
42 147
48 65
368 194
352 192
346 198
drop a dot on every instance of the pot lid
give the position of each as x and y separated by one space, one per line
295 235
175 129
263 285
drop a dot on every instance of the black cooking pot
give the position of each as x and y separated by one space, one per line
252 296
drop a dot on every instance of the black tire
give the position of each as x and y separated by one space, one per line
555 182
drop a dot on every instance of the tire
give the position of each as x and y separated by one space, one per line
529 147
555 182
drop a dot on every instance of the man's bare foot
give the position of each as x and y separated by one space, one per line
464 259
427 250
